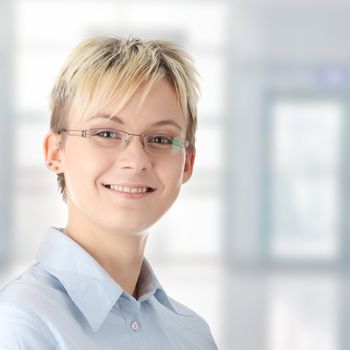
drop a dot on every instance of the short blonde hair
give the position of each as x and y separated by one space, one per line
107 69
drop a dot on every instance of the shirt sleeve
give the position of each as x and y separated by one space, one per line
22 330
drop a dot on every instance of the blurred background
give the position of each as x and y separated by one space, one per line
258 242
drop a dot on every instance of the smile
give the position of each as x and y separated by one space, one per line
127 189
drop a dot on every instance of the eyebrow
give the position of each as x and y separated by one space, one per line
115 118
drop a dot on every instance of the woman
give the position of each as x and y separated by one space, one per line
121 143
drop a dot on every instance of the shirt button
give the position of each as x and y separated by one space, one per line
134 325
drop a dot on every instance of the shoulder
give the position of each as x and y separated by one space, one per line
184 310
20 328
195 323
22 311
34 288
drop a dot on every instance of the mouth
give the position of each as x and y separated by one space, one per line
130 189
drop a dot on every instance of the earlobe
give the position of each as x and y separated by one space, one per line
188 168
53 152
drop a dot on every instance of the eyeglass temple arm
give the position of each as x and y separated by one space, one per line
72 132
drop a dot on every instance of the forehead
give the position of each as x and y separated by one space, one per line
149 102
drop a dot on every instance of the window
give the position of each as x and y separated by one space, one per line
305 178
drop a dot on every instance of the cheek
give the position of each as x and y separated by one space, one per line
81 171
173 174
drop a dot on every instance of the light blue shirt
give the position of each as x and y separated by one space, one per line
68 301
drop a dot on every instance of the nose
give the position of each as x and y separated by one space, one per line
133 156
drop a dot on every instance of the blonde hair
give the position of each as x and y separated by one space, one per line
107 69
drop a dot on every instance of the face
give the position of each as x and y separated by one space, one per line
106 188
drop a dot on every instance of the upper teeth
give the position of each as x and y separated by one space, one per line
128 189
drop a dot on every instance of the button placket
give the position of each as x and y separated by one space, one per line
131 308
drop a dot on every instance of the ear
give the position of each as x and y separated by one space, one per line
189 163
53 152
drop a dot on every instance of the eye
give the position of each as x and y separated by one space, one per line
106 133
161 140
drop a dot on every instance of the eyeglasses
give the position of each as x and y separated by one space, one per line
114 139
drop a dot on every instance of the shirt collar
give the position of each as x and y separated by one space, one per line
148 285
86 282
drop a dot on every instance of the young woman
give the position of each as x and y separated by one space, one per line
121 143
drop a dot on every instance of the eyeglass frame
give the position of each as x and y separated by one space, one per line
127 136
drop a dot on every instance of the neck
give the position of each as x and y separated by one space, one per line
120 254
